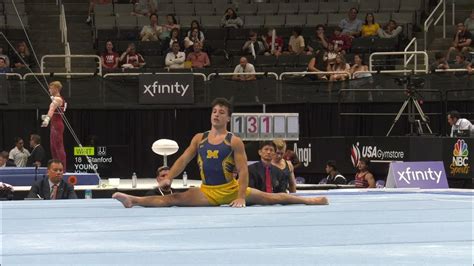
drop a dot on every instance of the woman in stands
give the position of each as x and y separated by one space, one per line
195 25
364 178
369 28
296 43
171 23
175 36
22 58
277 47
195 37
231 19
358 67
320 44
339 65
110 58
329 56
391 30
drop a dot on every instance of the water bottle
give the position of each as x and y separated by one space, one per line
88 194
134 180
185 179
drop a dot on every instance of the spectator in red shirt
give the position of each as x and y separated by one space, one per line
110 58
278 47
131 59
198 58
342 43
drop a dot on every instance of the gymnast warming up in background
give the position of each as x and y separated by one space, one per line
54 117
219 152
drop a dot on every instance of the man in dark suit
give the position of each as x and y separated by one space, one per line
161 174
263 175
4 162
38 155
54 186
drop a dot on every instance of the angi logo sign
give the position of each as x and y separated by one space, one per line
460 161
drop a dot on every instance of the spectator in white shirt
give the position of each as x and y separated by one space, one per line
244 67
458 123
19 154
175 59
153 31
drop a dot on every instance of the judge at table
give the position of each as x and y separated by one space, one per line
53 187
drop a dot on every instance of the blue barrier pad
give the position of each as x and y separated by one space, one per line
26 176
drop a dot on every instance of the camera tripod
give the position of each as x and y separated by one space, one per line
412 102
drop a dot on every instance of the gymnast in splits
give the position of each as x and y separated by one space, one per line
56 108
219 152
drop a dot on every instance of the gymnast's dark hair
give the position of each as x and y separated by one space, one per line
222 102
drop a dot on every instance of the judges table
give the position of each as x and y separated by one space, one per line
25 176
105 189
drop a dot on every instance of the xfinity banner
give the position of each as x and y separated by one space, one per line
166 89
416 175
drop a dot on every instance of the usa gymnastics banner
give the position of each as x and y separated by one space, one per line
416 175
166 89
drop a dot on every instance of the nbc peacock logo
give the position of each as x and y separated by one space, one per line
460 161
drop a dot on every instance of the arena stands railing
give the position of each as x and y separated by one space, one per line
415 70
245 74
406 58
98 61
430 22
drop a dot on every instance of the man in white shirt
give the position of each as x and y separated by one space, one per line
244 67
458 123
175 59
19 154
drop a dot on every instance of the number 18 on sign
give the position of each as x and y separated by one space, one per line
265 126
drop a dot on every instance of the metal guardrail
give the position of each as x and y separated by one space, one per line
99 60
12 75
149 73
451 70
315 73
406 60
432 21
425 56
243 74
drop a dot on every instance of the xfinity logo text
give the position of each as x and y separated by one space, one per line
155 88
410 175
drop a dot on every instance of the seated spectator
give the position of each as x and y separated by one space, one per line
4 56
131 59
231 19
244 67
174 37
339 65
470 67
334 177
38 154
195 37
175 59
391 30
462 40
153 31
92 4
53 187
110 58
198 58
19 154
22 58
284 165
171 23
351 25
277 47
370 27
263 175
195 25
359 67
440 62
296 44
143 7
342 43
458 123
312 67
161 173
460 63
3 66
469 23
320 44
253 46
329 56
364 178
4 162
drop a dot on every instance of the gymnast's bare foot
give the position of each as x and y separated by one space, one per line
125 199
317 201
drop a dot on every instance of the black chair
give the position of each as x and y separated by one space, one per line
265 61
362 45
385 45
287 60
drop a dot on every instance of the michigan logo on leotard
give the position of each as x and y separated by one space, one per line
212 154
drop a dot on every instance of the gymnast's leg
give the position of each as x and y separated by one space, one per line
262 198
191 197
